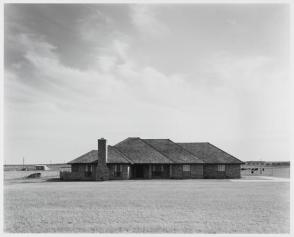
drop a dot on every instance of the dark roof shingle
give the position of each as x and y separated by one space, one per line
160 151
210 153
140 152
173 151
116 156
113 156
89 157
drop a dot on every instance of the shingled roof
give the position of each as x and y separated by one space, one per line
113 156
173 151
210 153
116 156
89 157
135 150
140 152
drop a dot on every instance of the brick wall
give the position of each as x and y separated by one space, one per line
102 172
125 172
231 171
177 171
196 172
79 173
147 171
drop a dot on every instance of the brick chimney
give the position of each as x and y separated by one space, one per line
102 172
102 151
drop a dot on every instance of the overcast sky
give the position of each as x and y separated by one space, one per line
191 73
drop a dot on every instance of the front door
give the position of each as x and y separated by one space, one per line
140 171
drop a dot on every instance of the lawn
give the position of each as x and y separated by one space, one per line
152 206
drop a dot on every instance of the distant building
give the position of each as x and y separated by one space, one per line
266 168
266 163
136 158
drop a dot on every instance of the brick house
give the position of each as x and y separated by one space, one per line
136 158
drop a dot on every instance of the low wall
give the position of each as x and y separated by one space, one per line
231 171
66 175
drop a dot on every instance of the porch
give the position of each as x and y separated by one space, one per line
150 171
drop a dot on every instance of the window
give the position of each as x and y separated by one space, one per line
117 170
186 168
89 168
75 168
88 172
157 170
221 168
186 171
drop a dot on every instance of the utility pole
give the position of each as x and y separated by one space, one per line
22 162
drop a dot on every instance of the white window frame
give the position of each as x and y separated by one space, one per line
221 168
186 168
89 168
117 168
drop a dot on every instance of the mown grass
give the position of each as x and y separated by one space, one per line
147 206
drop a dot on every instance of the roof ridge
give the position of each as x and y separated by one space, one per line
186 150
155 138
225 152
128 138
123 154
155 149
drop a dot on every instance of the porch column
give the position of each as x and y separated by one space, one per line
128 172
150 172
170 171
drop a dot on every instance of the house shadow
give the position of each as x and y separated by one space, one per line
54 180
66 181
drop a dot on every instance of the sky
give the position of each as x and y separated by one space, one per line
215 73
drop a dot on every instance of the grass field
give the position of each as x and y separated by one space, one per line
151 206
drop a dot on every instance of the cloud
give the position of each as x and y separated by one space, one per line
95 26
145 19
115 74
231 95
